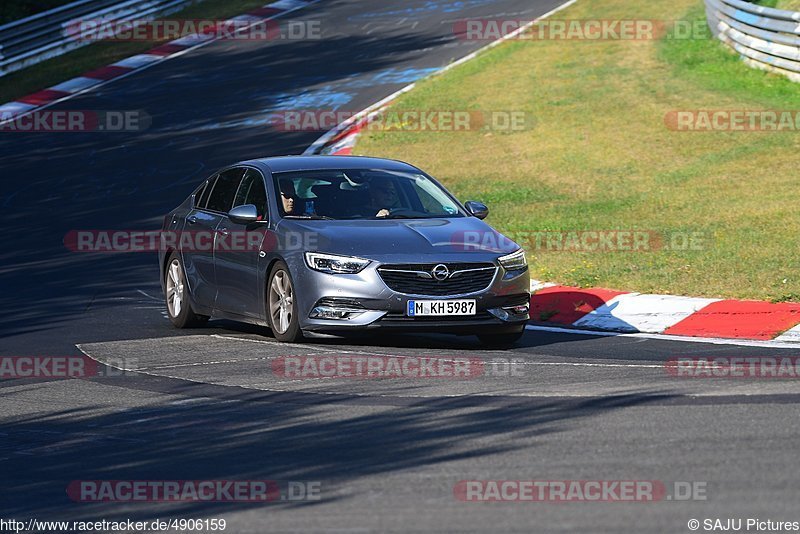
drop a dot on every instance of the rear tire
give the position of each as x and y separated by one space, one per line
502 341
176 295
282 309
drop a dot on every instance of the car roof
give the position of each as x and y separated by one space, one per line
313 163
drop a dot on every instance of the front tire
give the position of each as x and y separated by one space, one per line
502 341
282 309
176 292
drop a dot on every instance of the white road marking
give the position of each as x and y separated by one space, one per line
774 344
325 349
449 359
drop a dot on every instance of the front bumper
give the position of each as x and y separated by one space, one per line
366 303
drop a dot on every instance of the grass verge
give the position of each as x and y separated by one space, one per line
790 5
600 157
96 55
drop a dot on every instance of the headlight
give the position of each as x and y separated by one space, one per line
514 261
333 264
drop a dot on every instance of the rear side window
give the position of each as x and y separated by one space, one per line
224 190
252 191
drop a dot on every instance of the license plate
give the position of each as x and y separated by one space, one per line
440 308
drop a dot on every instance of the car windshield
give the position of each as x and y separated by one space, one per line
363 194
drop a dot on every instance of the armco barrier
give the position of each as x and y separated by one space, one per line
765 37
43 36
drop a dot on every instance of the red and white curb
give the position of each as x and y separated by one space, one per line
615 311
121 69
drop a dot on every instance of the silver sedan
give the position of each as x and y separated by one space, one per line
336 244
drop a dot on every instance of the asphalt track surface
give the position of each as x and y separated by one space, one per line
204 404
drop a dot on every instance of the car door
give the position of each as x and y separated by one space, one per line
199 242
237 263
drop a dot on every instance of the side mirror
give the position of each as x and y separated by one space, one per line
477 209
244 214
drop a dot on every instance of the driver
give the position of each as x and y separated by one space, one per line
288 196
383 197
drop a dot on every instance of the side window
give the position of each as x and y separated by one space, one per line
251 191
225 187
201 198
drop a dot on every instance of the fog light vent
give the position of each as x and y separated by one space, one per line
336 309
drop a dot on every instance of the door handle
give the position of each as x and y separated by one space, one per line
223 231
192 219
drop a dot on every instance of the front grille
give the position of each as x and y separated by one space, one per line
416 279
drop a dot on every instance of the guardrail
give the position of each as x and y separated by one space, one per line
43 36
765 37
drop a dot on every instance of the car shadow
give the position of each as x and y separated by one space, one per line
415 340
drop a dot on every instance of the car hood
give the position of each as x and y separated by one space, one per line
465 238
